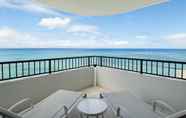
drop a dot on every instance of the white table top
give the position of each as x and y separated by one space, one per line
92 106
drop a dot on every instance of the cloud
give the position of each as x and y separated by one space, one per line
120 43
27 5
92 43
141 36
11 38
178 36
83 28
177 40
7 33
53 23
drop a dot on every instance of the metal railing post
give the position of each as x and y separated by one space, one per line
141 66
101 61
89 61
49 67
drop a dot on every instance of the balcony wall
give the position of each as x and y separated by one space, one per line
38 88
146 86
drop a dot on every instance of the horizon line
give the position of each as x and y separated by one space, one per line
103 48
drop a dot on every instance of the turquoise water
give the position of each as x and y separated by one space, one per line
22 54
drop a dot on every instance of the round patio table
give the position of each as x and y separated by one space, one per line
92 107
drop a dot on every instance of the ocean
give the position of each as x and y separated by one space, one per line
37 53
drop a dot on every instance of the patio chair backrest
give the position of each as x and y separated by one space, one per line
180 114
8 114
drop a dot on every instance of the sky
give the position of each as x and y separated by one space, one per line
24 24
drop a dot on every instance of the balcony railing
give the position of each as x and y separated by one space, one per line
18 69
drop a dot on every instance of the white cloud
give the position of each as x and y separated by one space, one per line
11 38
83 28
177 40
142 37
27 5
178 36
90 43
56 22
120 43
7 33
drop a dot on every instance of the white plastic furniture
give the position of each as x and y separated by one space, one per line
162 108
128 105
167 111
4 113
92 107
22 105
180 114
57 105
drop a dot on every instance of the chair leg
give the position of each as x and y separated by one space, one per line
102 115
81 115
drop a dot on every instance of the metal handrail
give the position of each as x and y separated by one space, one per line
24 68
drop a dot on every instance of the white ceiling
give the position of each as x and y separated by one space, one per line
98 7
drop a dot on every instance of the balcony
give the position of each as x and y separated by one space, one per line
144 80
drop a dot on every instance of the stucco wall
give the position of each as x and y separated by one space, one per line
146 86
40 87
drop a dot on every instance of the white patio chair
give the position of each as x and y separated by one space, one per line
4 113
14 110
167 111
125 104
162 108
22 105
180 114
57 105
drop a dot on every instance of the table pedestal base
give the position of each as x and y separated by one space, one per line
87 116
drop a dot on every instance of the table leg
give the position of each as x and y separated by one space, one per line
102 115
97 116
